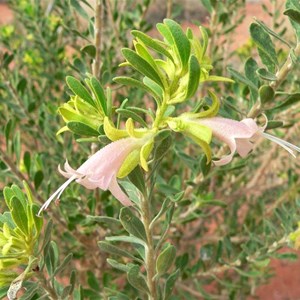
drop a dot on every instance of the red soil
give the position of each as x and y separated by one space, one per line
285 285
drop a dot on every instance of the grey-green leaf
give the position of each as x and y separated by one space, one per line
118 266
136 279
170 282
112 249
294 5
241 78
132 224
266 94
165 259
266 75
263 42
64 264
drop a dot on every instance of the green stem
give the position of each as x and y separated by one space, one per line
46 286
149 253
161 110
285 69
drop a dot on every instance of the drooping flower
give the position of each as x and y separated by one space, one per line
239 136
101 169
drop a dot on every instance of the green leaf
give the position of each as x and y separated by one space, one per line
137 178
76 5
165 259
89 49
271 32
27 161
289 101
151 43
155 88
78 89
241 78
20 195
38 178
118 266
66 292
163 146
251 274
141 65
293 5
266 75
266 94
38 221
22 85
131 114
194 77
250 71
64 264
8 194
144 53
183 47
207 5
109 248
165 32
93 281
72 281
102 219
82 129
136 279
126 239
47 234
205 167
162 210
17 146
136 83
263 42
287 255
19 215
30 292
274 124
99 93
170 282
132 224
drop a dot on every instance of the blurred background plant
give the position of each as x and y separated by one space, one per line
229 223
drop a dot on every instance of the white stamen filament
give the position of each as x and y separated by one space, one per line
284 144
56 194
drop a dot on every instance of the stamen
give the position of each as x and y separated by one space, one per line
56 194
284 144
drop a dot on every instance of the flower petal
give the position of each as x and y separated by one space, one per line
118 193
233 133
243 147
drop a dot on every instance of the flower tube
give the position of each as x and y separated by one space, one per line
239 136
100 170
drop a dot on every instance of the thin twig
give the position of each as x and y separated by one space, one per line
98 31
169 9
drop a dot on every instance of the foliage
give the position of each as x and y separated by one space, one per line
195 230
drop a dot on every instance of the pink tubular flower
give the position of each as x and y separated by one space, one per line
100 170
239 136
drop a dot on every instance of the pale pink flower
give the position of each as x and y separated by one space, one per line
240 135
100 170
